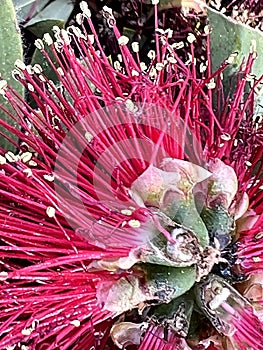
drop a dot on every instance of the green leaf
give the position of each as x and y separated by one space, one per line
26 9
55 14
166 4
229 36
10 51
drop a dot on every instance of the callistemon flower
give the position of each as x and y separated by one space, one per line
131 210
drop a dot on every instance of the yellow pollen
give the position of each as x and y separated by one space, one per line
126 212
2 160
11 157
25 157
256 259
123 40
225 137
88 136
3 275
75 323
259 235
48 177
50 212
134 223
32 163
26 331
28 172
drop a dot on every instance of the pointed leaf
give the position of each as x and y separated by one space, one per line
55 14
26 9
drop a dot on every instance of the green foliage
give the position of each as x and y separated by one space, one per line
44 16
55 14
10 51
26 9
228 36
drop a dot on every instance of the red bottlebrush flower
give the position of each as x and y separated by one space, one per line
126 211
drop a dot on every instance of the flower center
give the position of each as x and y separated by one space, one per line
191 221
